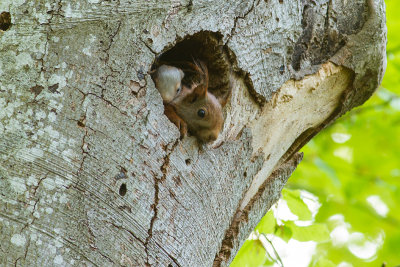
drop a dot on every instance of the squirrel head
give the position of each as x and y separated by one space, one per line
200 109
168 81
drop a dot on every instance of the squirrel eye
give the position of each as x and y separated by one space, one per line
201 113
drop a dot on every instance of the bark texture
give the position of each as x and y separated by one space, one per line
93 174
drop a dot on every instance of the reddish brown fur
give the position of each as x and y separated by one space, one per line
190 101
183 106
169 111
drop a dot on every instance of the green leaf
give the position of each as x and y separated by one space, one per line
267 225
296 204
284 232
251 254
314 232
322 262
323 166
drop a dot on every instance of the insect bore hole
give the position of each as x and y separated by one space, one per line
5 21
122 190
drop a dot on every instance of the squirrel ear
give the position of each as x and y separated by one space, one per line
197 92
200 90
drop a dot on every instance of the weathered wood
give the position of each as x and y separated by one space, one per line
92 172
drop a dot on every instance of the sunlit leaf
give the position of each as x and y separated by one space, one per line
296 204
284 232
251 254
322 262
314 232
267 225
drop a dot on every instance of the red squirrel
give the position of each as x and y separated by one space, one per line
192 108
168 81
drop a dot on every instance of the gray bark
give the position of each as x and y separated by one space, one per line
93 174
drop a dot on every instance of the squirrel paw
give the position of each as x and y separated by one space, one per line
175 119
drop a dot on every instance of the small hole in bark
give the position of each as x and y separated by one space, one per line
37 90
277 19
245 174
188 161
81 122
122 190
5 21
282 69
140 73
53 88
121 175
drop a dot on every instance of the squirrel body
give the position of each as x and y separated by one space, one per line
193 108
200 109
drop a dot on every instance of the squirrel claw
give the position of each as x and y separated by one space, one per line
182 128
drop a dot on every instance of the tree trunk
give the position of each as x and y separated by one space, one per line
93 174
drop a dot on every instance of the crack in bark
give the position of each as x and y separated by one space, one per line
48 25
101 97
92 242
109 103
38 184
241 17
16 261
326 37
148 47
163 168
129 231
112 36
84 152
172 258
58 7
27 248
34 208
106 51
93 130
81 123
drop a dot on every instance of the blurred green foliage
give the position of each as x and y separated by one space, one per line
347 166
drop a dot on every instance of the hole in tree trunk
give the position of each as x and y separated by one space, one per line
5 21
122 190
207 47
198 85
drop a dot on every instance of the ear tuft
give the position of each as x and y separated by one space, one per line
200 90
